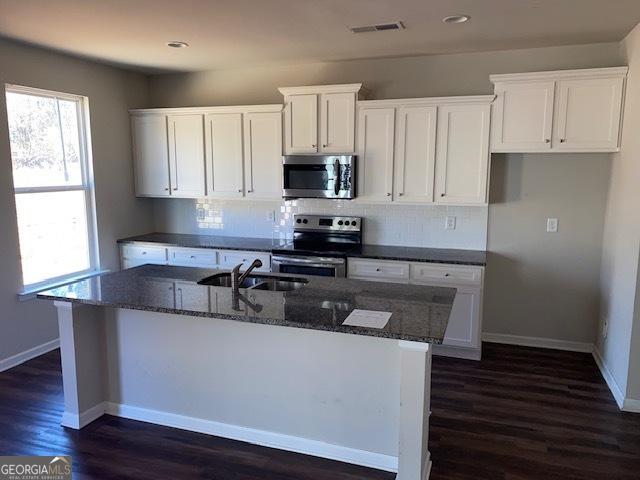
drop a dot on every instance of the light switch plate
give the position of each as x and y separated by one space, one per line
450 223
552 225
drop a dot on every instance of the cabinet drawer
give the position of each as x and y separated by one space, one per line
231 258
193 257
145 252
379 270
454 274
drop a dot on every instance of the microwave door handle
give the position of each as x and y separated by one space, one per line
338 178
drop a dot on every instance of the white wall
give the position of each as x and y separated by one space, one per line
575 188
621 241
111 92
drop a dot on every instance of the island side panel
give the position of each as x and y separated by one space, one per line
414 462
328 394
83 354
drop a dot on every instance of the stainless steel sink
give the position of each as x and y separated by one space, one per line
257 282
278 285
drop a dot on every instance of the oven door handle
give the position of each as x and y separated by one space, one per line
337 183
315 261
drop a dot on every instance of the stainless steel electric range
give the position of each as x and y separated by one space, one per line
320 246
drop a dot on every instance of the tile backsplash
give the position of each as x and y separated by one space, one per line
406 225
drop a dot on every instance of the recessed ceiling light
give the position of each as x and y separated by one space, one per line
177 44
456 19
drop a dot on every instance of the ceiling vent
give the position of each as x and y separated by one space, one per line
378 28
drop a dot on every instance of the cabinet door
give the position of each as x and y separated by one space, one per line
231 258
151 155
522 116
193 297
588 114
186 155
337 122
223 138
263 155
415 154
301 124
462 157
375 154
463 329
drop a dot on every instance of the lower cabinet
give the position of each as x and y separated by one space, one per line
135 254
463 336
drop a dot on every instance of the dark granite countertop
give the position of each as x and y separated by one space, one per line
206 241
419 313
382 252
421 254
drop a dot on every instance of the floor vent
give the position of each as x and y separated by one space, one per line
378 28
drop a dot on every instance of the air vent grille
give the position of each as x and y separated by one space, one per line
378 28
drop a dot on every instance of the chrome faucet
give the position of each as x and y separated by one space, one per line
236 278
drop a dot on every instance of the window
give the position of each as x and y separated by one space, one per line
53 185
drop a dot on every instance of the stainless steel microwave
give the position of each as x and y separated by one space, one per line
319 176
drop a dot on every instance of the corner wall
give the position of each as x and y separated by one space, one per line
620 349
111 92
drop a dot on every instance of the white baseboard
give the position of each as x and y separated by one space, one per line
608 377
72 420
17 359
257 437
631 405
538 342
457 352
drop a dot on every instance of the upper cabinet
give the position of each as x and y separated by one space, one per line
217 152
186 155
562 111
320 119
424 150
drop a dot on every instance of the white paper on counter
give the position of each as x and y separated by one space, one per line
367 318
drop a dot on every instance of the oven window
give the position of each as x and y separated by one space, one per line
307 177
302 270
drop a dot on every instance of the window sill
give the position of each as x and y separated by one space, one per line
31 293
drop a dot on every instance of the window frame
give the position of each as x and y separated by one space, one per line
87 185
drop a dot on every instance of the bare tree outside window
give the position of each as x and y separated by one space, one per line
54 200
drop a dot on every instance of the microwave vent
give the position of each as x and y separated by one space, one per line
378 28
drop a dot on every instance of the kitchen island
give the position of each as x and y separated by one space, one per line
275 368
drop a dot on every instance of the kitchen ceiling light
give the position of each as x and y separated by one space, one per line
177 44
456 19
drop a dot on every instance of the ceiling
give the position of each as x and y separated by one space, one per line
235 33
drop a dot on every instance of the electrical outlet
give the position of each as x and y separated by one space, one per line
271 215
450 223
552 225
605 328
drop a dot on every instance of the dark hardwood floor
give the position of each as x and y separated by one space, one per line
521 413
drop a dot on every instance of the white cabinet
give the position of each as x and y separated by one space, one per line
151 155
376 128
463 335
588 113
223 139
192 257
263 155
415 154
562 111
523 116
231 258
427 150
186 155
301 124
462 160
133 255
337 122
320 118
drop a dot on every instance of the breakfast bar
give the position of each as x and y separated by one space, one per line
265 364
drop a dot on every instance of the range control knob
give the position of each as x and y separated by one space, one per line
298 221
305 221
354 223
340 222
